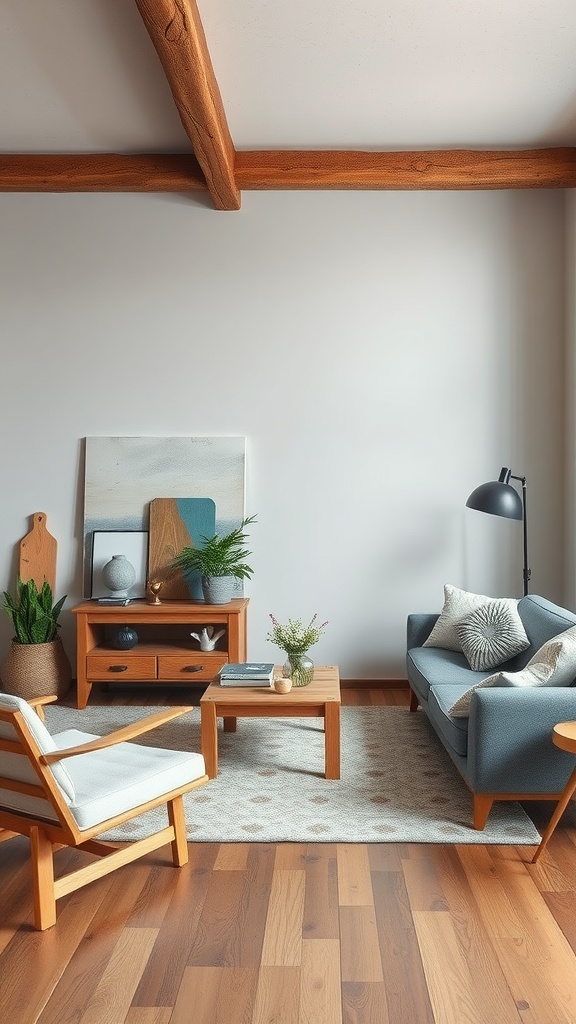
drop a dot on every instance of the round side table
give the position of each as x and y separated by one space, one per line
563 736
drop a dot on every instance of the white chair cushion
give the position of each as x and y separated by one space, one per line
18 767
119 778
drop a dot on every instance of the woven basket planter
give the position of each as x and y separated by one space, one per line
36 670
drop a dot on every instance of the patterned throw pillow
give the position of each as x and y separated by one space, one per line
491 635
457 605
536 673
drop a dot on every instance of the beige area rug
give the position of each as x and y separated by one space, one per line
398 783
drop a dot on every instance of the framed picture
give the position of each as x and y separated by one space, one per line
133 544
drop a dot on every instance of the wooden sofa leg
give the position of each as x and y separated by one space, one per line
482 807
177 819
413 701
42 879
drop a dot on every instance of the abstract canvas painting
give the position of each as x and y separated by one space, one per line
124 474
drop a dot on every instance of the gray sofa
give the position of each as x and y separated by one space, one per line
503 749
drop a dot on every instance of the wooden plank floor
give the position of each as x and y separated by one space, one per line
300 933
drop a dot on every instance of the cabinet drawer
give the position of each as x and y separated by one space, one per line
120 666
193 667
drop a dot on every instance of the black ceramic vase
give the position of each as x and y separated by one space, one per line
124 638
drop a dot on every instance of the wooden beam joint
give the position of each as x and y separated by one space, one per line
175 28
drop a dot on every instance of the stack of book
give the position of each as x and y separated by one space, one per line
247 673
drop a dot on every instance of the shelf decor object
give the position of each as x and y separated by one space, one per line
174 524
500 498
119 575
220 562
125 638
131 543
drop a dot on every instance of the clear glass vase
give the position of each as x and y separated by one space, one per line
299 668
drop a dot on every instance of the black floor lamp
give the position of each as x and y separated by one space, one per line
499 498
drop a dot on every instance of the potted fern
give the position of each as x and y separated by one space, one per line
219 562
37 664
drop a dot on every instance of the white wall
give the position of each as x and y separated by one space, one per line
383 353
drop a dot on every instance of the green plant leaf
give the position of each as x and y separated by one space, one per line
34 617
219 556
55 613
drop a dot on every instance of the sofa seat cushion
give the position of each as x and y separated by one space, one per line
110 781
432 666
453 730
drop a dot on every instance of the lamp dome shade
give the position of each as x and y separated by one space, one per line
497 499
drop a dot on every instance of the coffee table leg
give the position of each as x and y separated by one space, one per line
332 740
209 738
229 725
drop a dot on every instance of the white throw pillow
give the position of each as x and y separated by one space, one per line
565 663
461 707
457 605
536 673
491 635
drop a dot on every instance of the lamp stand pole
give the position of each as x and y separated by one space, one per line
526 571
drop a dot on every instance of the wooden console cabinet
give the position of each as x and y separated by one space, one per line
165 652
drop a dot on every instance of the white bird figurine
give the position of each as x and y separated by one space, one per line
208 638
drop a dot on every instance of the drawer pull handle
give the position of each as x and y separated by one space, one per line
118 668
192 668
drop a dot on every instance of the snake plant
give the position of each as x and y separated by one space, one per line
34 616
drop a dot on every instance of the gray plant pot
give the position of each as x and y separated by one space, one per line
217 589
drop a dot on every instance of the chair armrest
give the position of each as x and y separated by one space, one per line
418 628
38 704
129 732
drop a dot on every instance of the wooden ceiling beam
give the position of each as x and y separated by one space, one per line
100 172
434 169
290 169
176 31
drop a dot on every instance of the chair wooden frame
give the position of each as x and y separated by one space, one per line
47 836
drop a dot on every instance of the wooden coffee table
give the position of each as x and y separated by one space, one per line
320 699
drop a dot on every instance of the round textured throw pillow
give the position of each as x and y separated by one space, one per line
491 635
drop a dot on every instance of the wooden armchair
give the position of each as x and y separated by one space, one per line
59 803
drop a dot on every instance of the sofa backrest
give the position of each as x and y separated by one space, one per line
542 620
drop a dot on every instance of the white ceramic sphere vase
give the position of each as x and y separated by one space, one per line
119 575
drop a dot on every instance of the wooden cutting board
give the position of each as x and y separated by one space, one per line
38 551
176 523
